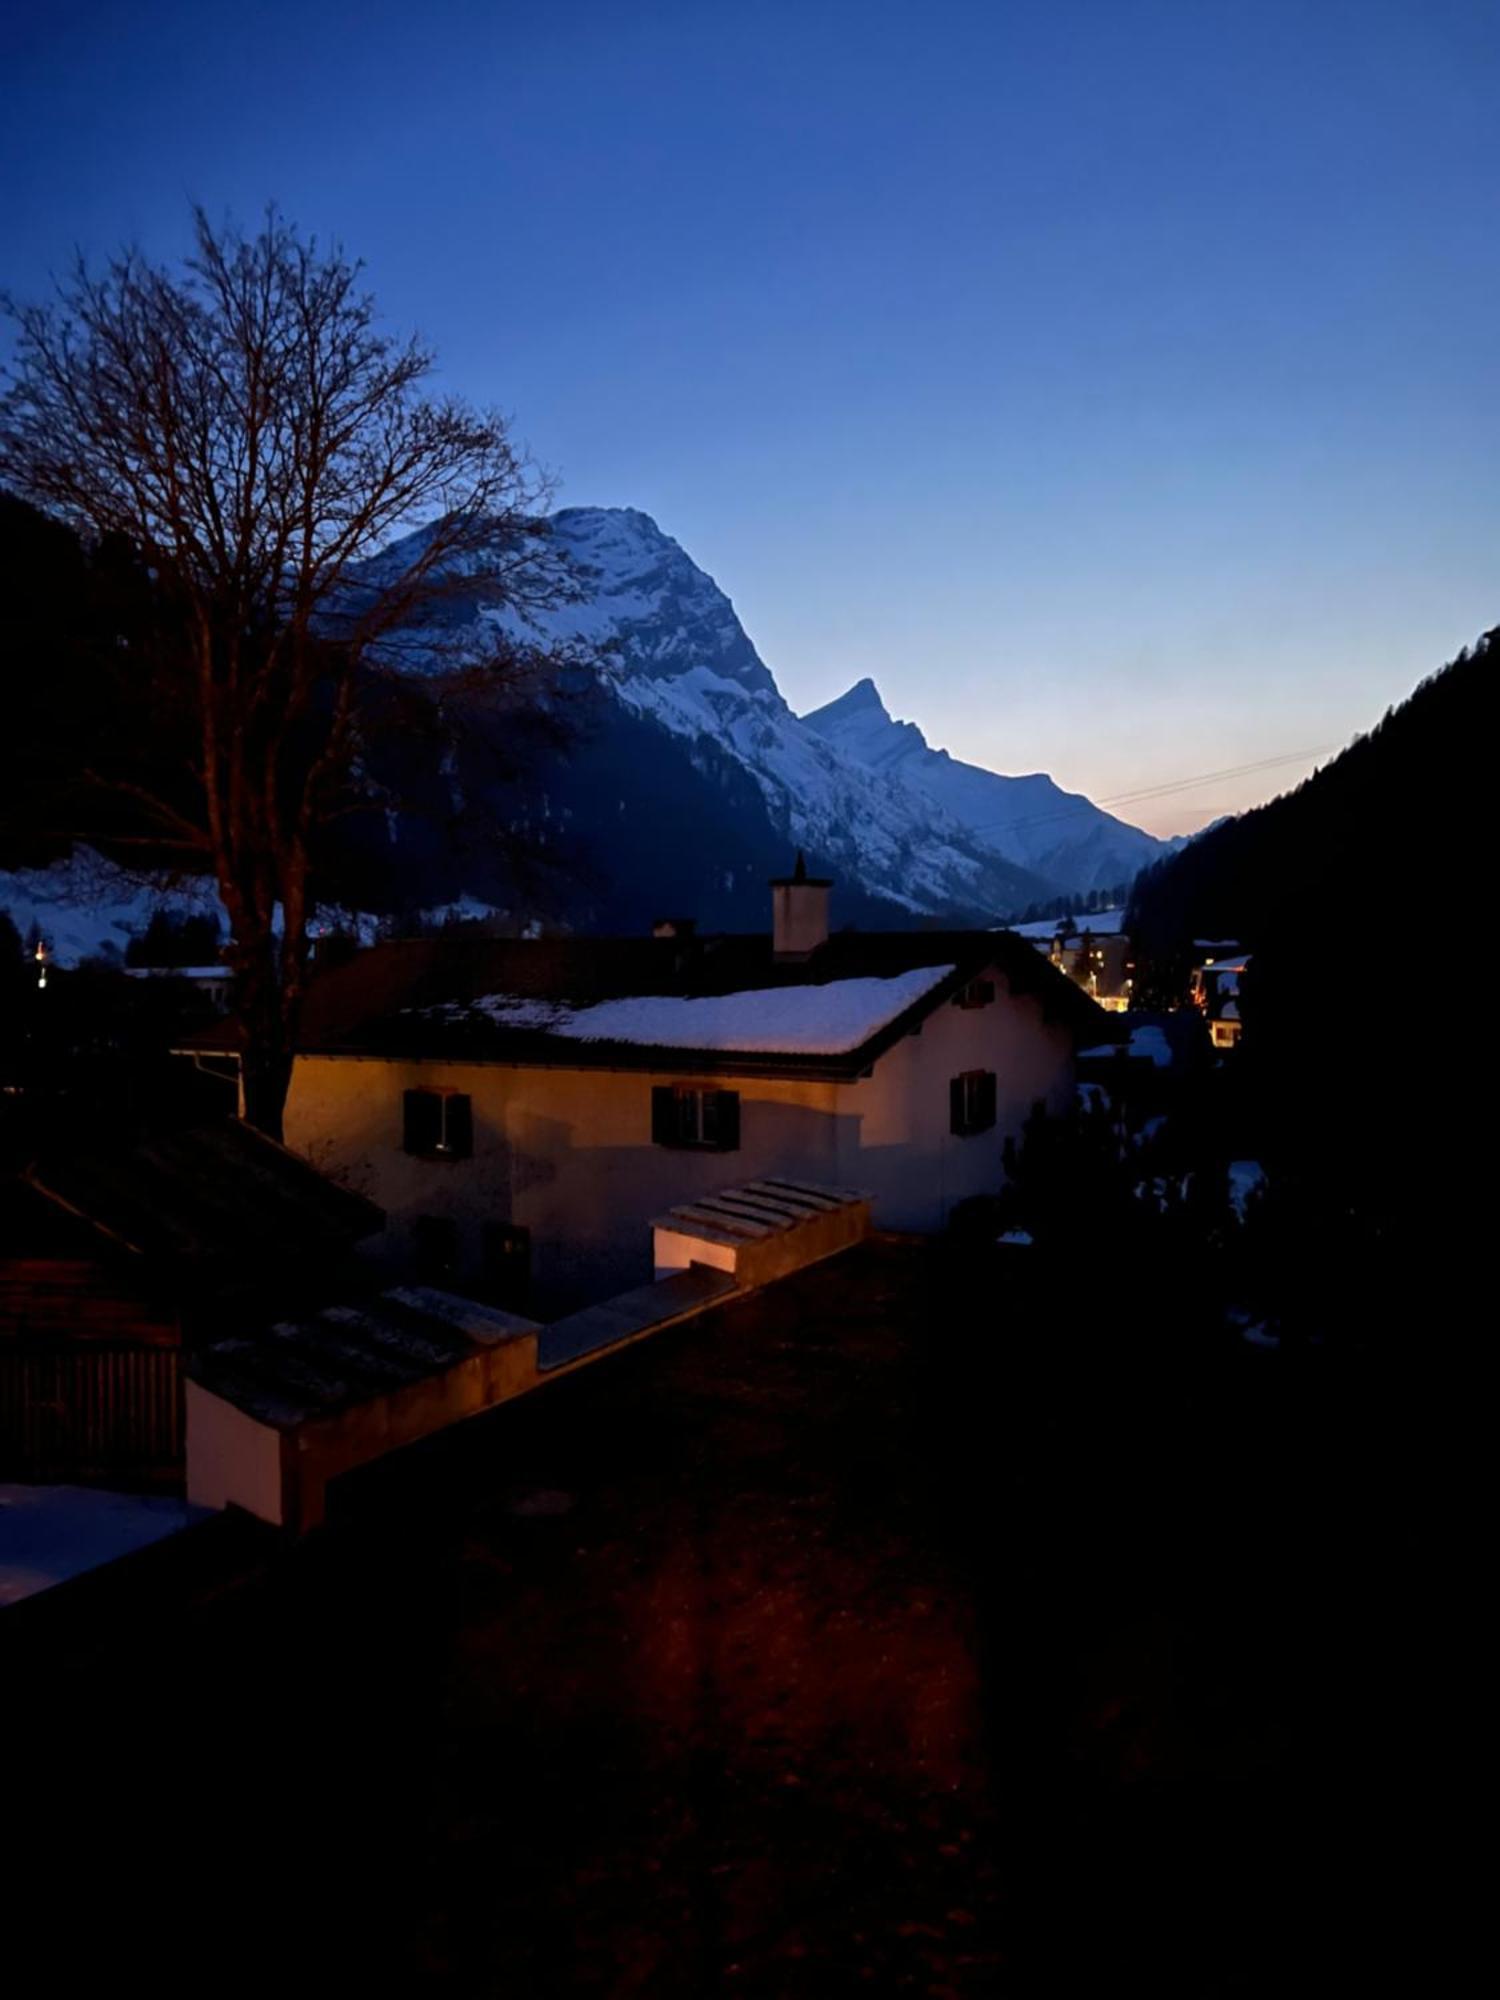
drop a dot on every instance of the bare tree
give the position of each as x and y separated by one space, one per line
245 424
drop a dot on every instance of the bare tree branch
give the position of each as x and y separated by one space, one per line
299 500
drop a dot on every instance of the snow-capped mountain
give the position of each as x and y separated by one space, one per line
863 795
680 780
674 661
865 792
1029 820
647 601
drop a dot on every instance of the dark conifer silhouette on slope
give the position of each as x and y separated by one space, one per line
1361 897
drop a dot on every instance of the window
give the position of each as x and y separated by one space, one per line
690 1115
971 1102
434 1247
978 993
506 1252
438 1124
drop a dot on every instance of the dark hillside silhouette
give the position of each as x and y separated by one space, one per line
1393 829
1360 896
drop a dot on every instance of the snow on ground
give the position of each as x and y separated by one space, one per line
85 906
464 909
1151 1042
1252 1330
49 1533
1103 923
824 1020
1246 1179
1147 1042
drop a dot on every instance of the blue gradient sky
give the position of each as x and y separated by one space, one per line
1117 383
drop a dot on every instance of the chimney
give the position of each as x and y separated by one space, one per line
799 913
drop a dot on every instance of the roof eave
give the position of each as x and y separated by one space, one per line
844 1067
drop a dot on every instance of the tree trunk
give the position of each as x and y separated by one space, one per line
266 1060
266 1077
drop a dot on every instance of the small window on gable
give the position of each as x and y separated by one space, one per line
971 1102
438 1124
978 993
691 1115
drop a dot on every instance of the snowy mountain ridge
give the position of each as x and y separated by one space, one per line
1031 820
864 790
670 652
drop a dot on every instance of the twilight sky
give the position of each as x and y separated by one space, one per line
1117 382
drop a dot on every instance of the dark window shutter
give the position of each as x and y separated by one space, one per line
956 1106
422 1128
663 1115
458 1125
727 1138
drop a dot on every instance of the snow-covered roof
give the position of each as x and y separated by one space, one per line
826 1020
664 1003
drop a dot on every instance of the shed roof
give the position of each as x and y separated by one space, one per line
326 1362
216 1198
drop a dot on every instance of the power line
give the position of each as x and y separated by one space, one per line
1148 791
1208 777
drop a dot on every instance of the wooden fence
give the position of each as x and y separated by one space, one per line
90 1377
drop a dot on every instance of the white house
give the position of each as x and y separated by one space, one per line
522 1109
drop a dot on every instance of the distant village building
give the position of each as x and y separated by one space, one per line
1092 949
521 1109
1224 1030
1215 990
1099 962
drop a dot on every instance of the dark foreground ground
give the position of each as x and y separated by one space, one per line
907 1629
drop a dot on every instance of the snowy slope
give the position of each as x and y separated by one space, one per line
85 907
1028 820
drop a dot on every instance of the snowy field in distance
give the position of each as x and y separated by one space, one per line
1103 923
85 907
